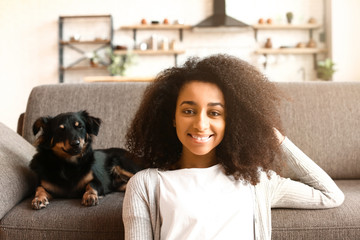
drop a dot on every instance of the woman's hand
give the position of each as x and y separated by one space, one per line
279 136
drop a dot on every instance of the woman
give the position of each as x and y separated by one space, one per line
207 134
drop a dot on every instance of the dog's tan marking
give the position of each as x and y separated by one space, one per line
61 146
58 149
41 199
48 186
77 124
121 176
122 188
38 141
90 197
85 181
121 172
62 126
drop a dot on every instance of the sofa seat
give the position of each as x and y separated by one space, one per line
338 223
66 219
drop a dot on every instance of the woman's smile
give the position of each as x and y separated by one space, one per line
201 138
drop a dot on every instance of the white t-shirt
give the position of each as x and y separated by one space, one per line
204 203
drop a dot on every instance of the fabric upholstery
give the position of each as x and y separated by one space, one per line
16 179
331 224
66 219
114 103
322 119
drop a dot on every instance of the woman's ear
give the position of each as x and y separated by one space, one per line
174 123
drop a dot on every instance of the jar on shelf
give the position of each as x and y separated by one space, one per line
268 43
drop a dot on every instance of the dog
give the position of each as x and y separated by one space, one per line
67 166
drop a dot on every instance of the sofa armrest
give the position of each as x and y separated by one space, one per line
20 125
16 179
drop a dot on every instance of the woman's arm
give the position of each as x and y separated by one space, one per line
136 210
315 189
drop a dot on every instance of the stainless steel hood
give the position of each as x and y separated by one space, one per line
219 18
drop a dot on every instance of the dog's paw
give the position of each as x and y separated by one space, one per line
90 199
39 203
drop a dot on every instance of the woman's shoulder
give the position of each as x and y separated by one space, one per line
146 178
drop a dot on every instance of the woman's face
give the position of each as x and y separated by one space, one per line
200 118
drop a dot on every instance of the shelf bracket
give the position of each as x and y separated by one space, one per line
315 61
134 36
181 34
266 59
175 57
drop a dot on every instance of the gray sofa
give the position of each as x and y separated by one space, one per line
322 118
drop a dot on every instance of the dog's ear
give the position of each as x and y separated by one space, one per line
40 123
92 123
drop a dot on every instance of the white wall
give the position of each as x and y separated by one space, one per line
29 36
346 39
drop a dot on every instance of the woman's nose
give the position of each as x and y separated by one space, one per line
202 122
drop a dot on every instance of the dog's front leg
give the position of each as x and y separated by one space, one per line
90 197
41 199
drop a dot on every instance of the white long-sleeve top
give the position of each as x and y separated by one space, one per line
205 203
316 190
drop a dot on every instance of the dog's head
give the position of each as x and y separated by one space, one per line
67 134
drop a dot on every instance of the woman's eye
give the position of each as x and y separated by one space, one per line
188 111
215 114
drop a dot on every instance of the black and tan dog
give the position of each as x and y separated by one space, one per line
67 166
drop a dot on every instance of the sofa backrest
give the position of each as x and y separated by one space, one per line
114 103
321 118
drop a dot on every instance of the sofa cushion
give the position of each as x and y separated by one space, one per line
338 223
322 119
16 178
66 219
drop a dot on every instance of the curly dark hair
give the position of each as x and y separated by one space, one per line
251 102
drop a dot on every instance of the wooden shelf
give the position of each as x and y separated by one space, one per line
150 52
86 16
118 79
286 26
85 42
83 68
290 51
156 27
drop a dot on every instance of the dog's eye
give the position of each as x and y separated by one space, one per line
78 125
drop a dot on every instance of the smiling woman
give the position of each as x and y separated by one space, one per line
231 87
208 132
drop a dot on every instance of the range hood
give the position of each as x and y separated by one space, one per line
219 18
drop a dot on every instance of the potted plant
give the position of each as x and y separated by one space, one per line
119 63
325 69
289 17
95 59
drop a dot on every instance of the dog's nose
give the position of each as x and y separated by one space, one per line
75 143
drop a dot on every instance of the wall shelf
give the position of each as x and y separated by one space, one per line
155 27
74 45
179 27
309 26
86 42
288 50
150 52
275 51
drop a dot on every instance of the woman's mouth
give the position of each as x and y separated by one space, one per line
202 138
